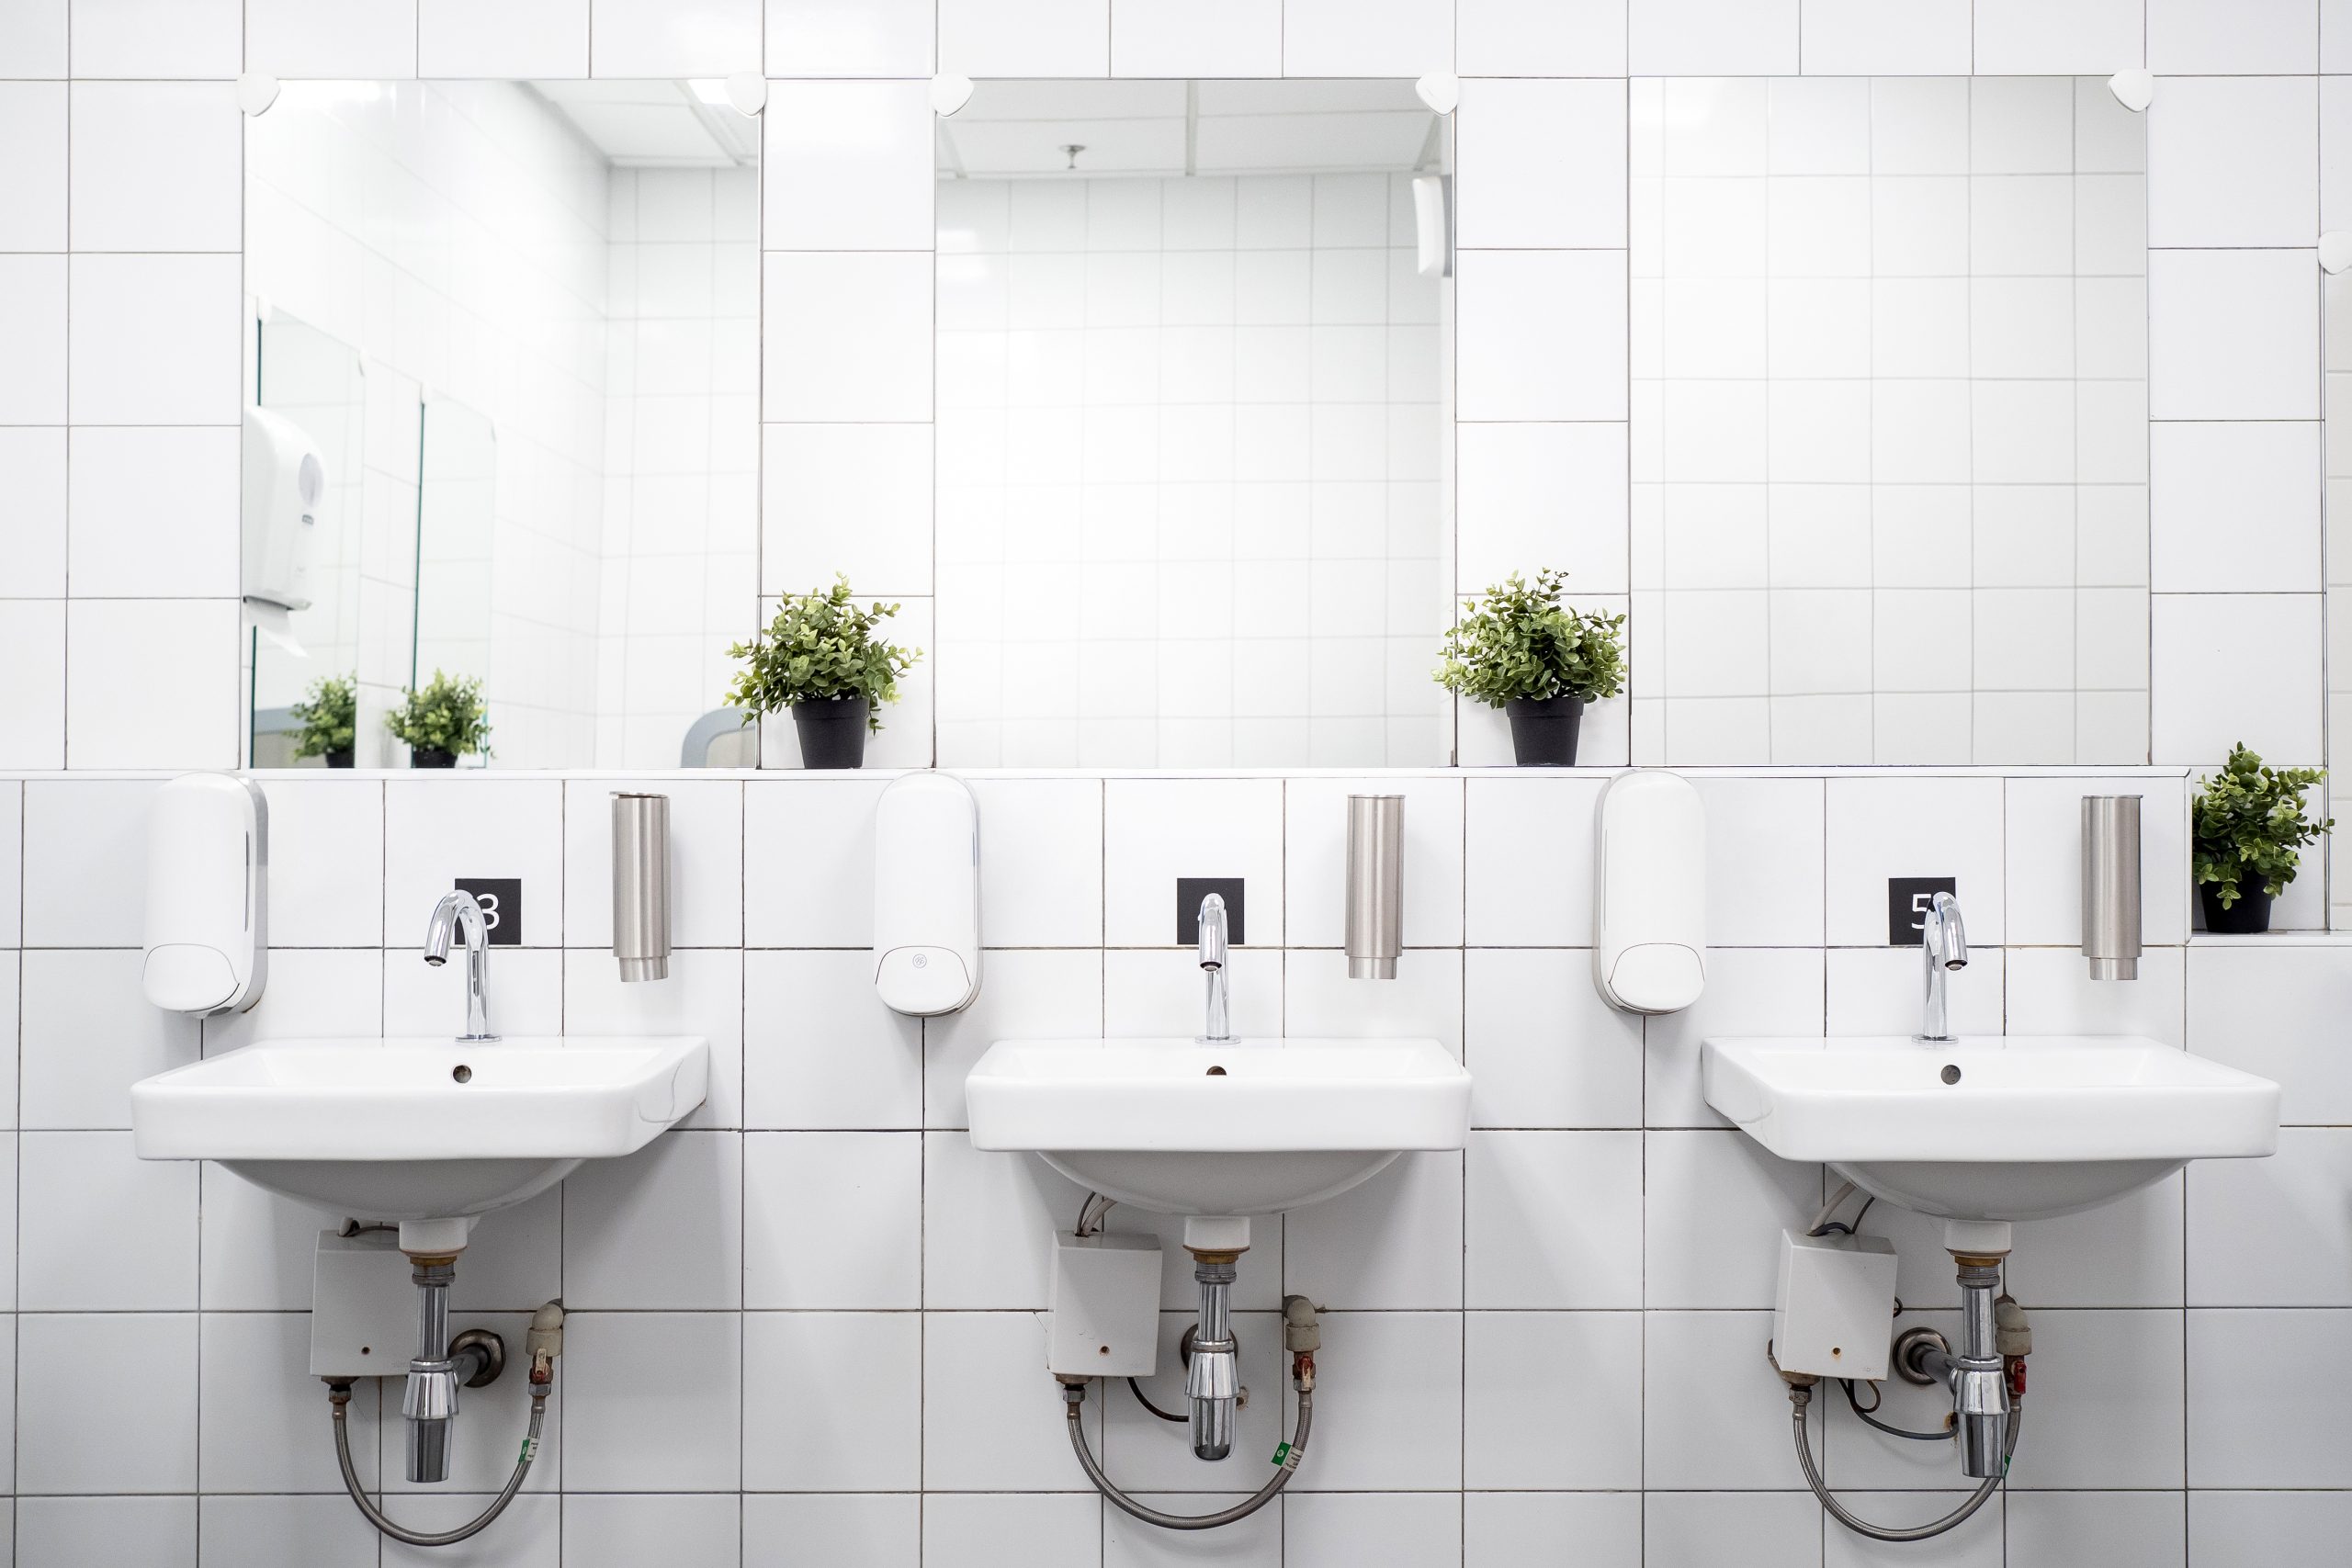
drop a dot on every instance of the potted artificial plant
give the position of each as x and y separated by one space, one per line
443 720
329 715
2245 828
1517 647
820 659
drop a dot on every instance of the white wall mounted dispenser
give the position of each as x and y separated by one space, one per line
207 895
1649 893
284 480
927 894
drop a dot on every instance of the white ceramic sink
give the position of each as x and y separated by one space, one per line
418 1129
1255 1127
1990 1127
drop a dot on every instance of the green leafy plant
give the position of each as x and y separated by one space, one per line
448 714
1517 640
819 646
2249 821
329 715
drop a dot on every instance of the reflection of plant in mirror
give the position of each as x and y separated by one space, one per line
329 713
820 647
1518 641
447 715
2247 821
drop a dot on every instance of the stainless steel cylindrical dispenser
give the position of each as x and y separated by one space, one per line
641 886
2111 886
1375 885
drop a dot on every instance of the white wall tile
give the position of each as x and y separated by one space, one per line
1179 39
621 1531
32 38
436 832
2099 1528
154 339
2244 1529
1749 991
1024 37
1335 1532
991 1420
1535 495
321 1531
859 1249
992 1217
2233 161
2232 667
1315 848
2108 1401
12 867
1714 1205
51 1532
86 861
1040 862
524 39
526 993
1546 37
1554 1220
2044 837
660 37
2259 481
1880 828
2050 992
789 1530
1764 854
125 709
1544 1049
153 514
335 39
2232 334
1714 38
33 118
1497 1526
823 830
1394 1242
33 339
326 863
849 38
2128 1256
1542 162
258 1408
89 1033
661 1230
1156 830
820 1050
852 500
2271 1232
1024 994
706 859
2259 36
681 1432
1371 38
1151 993
1876 990
1527 867
2258 1424
66 1442
848 165
847 335
1420 1449
2276 1010
157 167
33 527
32 720
1855 38
1716 1415
2027 37
1541 335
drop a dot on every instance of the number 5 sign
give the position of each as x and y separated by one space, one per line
1908 898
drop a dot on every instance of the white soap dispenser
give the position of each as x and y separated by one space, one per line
1649 893
207 895
927 894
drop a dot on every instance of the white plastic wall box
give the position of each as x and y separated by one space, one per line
1105 1317
363 1306
1649 893
1834 1315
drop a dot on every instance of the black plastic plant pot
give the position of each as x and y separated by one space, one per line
1544 730
2250 914
339 759
430 757
832 731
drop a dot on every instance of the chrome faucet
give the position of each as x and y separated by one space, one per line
1219 1029
1943 947
460 910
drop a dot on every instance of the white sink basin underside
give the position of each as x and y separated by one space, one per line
2033 1126
391 1130
1287 1122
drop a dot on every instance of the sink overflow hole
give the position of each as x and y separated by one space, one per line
465 1074
1215 1073
1952 1074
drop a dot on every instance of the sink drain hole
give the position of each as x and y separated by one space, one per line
465 1074
1951 1073
1215 1073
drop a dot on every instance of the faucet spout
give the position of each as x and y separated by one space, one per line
456 914
1218 1029
1943 948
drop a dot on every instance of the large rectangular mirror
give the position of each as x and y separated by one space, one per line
517 327
1890 422
1194 421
